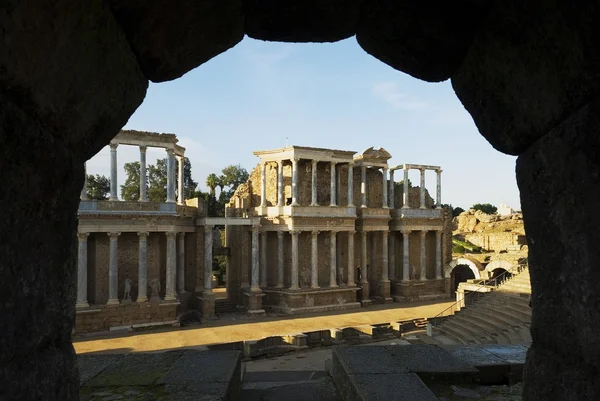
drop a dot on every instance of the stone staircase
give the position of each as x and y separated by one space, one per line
224 305
502 316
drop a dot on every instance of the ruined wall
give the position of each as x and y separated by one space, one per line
495 241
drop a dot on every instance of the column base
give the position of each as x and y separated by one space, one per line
82 305
170 298
140 300
385 290
364 293
253 302
206 305
112 302
333 286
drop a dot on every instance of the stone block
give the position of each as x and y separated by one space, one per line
91 365
298 340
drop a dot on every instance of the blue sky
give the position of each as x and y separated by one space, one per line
262 95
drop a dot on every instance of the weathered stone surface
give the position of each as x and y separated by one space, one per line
302 20
427 40
171 38
527 70
68 82
559 179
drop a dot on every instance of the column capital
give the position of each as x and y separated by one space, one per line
280 233
295 232
210 228
351 165
334 163
170 152
314 162
83 236
143 234
423 233
113 236
406 232
295 160
179 157
438 170
334 231
352 232
143 148
182 234
315 232
170 233
113 146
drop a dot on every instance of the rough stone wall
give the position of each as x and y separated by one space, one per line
495 241
121 315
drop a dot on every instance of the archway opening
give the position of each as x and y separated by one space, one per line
460 274
500 275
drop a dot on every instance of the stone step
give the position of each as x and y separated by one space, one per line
510 319
494 332
465 324
460 333
522 312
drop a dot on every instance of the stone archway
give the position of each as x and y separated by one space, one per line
473 264
500 264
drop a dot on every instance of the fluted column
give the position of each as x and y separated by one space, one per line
170 176
438 195
263 259
350 185
181 264
280 265
314 276
113 172
422 189
142 267
363 259
171 275
406 256
295 181
180 195
405 190
82 271
333 259
143 183
280 201
208 258
333 190
263 184
384 256
423 256
113 269
392 255
254 286
363 186
384 188
313 186
294 273
351 282
392 184
438 254
83 195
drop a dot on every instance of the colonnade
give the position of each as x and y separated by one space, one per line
422 256
174 162
422 169
175 268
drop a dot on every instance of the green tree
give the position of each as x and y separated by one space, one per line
234 175
211 182
157 181
189 185
455 210
485 208
130 191
98 187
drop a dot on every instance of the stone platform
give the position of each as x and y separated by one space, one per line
310 300
415 290
421 372
172 375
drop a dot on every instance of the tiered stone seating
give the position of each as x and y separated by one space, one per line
502 316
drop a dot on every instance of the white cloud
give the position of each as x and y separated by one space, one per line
390 92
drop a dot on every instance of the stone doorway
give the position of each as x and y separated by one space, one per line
460 274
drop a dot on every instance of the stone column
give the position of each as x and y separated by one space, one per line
438 194
171 275
113 269
263 259
392 255
333 259
392 201
280 265
295 181
280 201
181 264
363 259
351 282
170 176
405 256
384 188
143 183
263 184
113 172
82 271
294 273
423 256
181 197
422 189
350 185
363 186
142 267
83 195
405 190
254 286
384 256
314 274
208 258
438 254
338 185
333 190
313 187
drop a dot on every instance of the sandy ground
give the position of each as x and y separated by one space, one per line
242 328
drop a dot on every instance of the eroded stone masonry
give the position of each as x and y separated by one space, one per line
312 230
